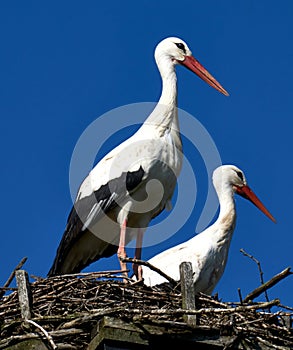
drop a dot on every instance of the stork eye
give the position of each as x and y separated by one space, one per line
181 47
240 175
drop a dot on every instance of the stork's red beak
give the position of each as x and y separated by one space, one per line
247 193
191 63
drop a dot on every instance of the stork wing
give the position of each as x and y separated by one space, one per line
84 214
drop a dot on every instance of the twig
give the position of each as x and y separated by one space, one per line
94 313
148 312
240 295
286 307
257 306
152 267
58 333
265 286
7 288
259 269
91 274
46 334
269 344
10 278
203 297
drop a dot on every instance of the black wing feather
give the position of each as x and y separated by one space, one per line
88 210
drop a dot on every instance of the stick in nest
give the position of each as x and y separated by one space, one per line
265 286
259 269
95 274
46 334
10 278
152 267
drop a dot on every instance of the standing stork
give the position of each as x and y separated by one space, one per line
135 181
208 251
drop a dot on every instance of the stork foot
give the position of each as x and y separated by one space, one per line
137 270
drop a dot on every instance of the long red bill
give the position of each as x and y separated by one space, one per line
247 193
191 63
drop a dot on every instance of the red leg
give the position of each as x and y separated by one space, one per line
137 269
121 253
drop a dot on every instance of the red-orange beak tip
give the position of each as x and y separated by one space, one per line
246 192
193 64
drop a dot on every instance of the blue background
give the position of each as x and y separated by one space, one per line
65 63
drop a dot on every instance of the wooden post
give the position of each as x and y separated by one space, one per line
187 291
24 295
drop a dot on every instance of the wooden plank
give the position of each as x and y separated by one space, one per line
187 291
115 329
32 344
112 330
24 295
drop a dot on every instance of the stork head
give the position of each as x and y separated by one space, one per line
175 51
229 177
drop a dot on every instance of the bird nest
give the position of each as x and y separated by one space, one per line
64 309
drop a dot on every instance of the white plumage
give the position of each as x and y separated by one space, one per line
207 251
135 181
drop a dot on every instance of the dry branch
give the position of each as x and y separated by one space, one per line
97 274
10 278
46 334
152 267
269 284
259 269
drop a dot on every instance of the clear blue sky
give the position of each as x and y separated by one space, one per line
65 63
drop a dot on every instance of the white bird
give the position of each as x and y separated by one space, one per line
208 250
135 181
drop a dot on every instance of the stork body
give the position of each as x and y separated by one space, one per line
135 181
207 251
